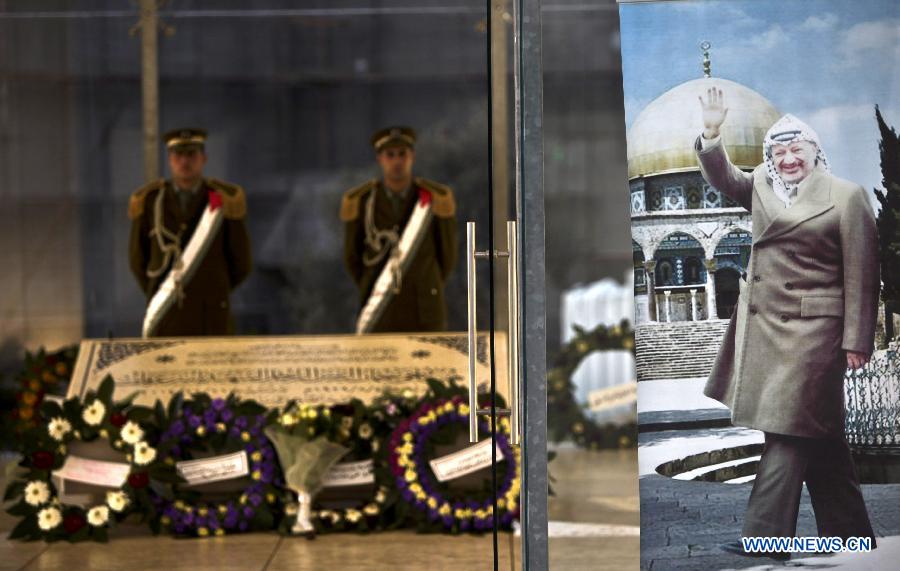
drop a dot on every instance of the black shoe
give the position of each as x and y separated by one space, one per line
737 548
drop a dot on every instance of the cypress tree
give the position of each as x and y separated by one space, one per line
888 222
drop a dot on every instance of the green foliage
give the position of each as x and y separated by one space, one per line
888 222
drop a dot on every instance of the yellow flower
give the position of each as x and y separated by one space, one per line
165 520
220 427
445 509
288 419
313 413
256 456
223 509
220 532
201 430
179 505
203 512
421 495
270 497
415 488
407 437
501 503
432 503
410 475
243 499
463 409
256 475
203 532
245 436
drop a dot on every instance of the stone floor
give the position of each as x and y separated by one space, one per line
685 522
595 525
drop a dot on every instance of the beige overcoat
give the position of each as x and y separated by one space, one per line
810 294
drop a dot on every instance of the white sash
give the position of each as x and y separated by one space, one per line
183 270
398 263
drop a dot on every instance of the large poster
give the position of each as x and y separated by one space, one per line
764 177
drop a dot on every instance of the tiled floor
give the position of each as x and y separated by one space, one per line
591 487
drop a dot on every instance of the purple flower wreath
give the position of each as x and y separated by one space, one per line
223 426
418 486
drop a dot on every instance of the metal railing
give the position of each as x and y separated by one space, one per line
873 402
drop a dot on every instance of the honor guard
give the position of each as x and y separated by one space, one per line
400 241
189 246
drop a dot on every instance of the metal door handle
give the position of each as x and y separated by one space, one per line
515 334
472 331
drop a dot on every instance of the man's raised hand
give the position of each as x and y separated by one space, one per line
714 112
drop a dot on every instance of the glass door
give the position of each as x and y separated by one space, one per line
297 103
511 247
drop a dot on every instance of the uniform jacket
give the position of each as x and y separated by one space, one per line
205 309
810 293
420 305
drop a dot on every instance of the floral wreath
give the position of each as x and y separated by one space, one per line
431 500
568 420
360 427
43 373
220 426
45 449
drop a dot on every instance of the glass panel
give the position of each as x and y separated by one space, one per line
592 266
289 98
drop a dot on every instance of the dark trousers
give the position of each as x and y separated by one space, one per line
827 467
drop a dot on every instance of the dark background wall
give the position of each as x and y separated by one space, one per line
290 101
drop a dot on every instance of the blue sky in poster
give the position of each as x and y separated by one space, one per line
826 61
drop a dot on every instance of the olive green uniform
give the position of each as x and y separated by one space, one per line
204 308
420 303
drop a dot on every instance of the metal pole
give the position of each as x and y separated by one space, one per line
149 29
533 321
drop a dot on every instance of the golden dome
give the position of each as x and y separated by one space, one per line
661 139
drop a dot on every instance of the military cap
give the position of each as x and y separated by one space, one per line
185 138
393 137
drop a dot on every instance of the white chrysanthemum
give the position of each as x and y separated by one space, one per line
347 422
371 509
380 496
36 493
144 454
117 501
365 431
98 515
58 428
132 433
49 518
94 413
288 419
353 516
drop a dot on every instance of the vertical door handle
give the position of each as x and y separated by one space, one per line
472 331
515 334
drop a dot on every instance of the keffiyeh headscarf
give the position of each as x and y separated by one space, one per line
785 131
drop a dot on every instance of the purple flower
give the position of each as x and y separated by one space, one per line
176 428
227 415
218 404
241 422
255 499
248 512
193 421
243 525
